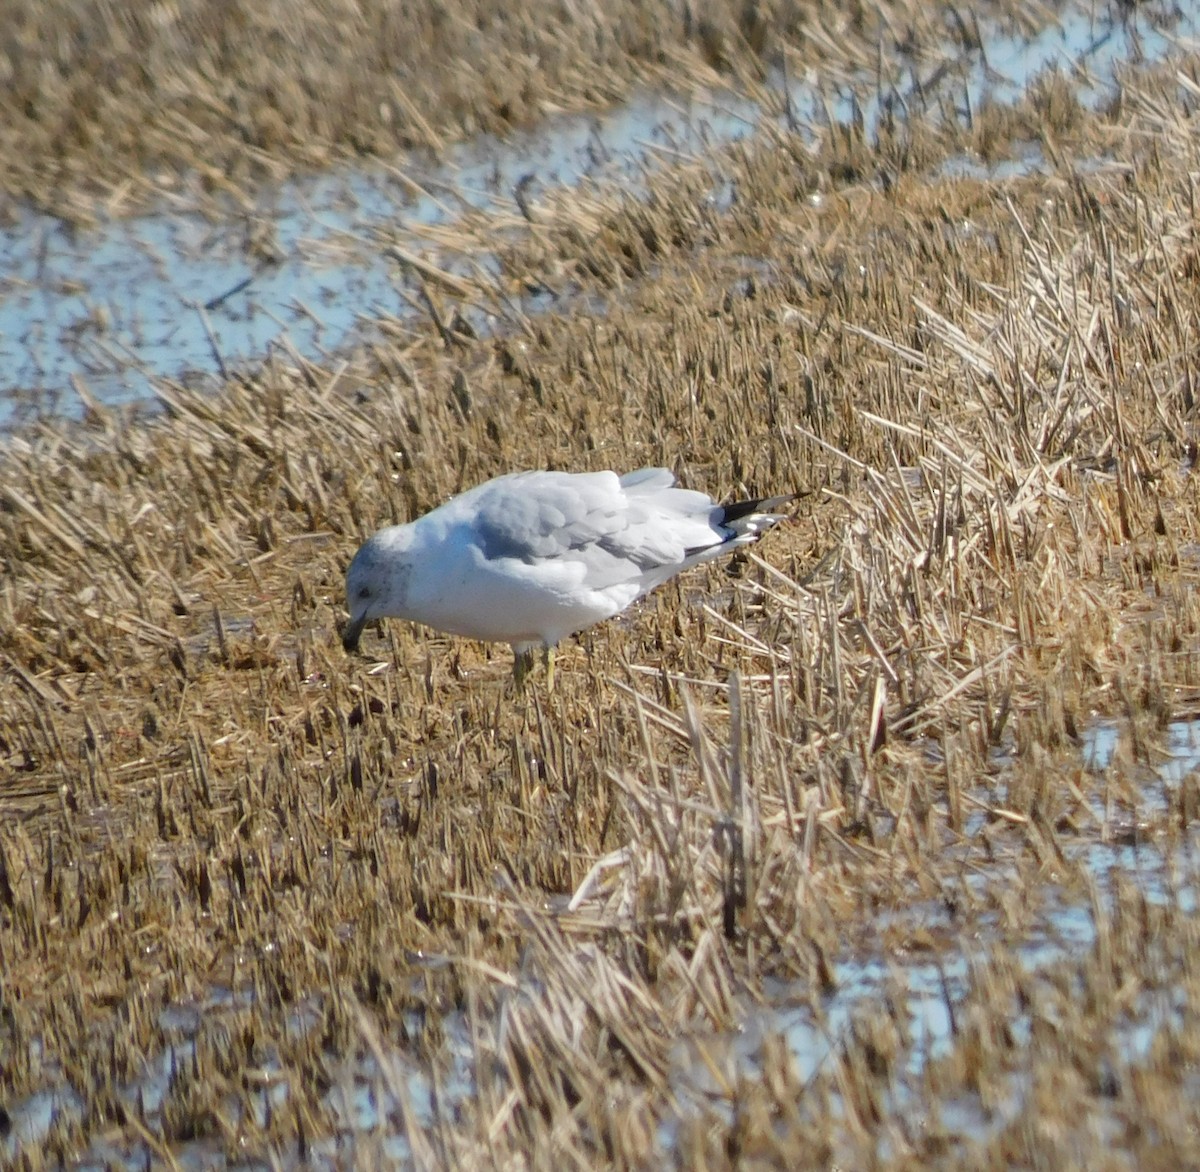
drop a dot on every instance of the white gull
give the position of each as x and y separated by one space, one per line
532 557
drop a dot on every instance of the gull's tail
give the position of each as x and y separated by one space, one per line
747 519
738 523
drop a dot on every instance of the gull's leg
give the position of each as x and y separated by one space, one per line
522 663
548 660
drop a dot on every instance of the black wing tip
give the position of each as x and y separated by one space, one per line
766 505
743 521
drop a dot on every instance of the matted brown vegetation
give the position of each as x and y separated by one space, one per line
134 99
529 930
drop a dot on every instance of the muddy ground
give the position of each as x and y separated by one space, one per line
264 903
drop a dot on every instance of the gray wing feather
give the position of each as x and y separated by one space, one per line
620 528
648 478
533 516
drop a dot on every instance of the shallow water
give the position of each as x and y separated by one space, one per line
926 987
173 295
103 312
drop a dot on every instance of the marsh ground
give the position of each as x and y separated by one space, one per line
265 905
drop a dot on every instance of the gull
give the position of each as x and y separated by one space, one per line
532 557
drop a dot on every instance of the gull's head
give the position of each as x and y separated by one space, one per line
376 582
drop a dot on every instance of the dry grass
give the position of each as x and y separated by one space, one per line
532 930
126 101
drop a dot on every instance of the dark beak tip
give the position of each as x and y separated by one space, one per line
351 635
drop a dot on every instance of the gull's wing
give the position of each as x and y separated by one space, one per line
608 529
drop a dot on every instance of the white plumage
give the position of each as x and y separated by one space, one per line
532 557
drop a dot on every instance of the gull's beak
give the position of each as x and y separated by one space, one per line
352 632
